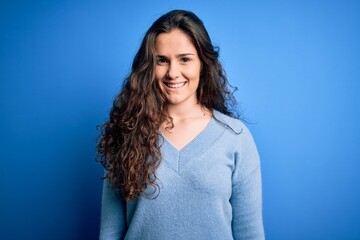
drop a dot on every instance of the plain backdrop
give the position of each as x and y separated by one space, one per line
297 68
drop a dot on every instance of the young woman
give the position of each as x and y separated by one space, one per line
178 164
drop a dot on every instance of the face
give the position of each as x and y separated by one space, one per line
177 68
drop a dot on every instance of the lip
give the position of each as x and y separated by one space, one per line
174 85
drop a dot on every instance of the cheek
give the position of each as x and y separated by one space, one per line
157 73
194 74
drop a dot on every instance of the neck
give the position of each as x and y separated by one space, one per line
179 112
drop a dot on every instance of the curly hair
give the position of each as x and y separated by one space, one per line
129 143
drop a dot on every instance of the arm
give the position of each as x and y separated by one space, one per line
246 199
113 218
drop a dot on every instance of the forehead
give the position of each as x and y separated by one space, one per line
175 41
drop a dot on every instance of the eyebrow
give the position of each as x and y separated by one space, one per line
177 55
184 54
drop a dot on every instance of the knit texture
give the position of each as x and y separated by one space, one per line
210 189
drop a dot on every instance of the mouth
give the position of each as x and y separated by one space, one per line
174 85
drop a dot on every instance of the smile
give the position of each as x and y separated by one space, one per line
175 85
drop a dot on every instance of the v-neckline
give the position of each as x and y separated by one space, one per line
189 142
179 159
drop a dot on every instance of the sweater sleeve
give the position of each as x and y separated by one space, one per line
113 216
246 198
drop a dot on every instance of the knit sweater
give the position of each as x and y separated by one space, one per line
210 189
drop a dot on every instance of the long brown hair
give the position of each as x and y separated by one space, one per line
129 146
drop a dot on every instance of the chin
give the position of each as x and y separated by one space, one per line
173 101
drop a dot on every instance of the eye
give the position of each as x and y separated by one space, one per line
162 60
185 59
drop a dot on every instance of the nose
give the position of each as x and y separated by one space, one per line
173 71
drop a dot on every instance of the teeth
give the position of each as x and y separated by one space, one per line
175 85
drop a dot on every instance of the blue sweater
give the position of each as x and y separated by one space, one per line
210 189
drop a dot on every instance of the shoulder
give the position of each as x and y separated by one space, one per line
234 125
236 131
240 140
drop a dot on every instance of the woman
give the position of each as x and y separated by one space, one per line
178 164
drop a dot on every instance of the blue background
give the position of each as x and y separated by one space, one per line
297 67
